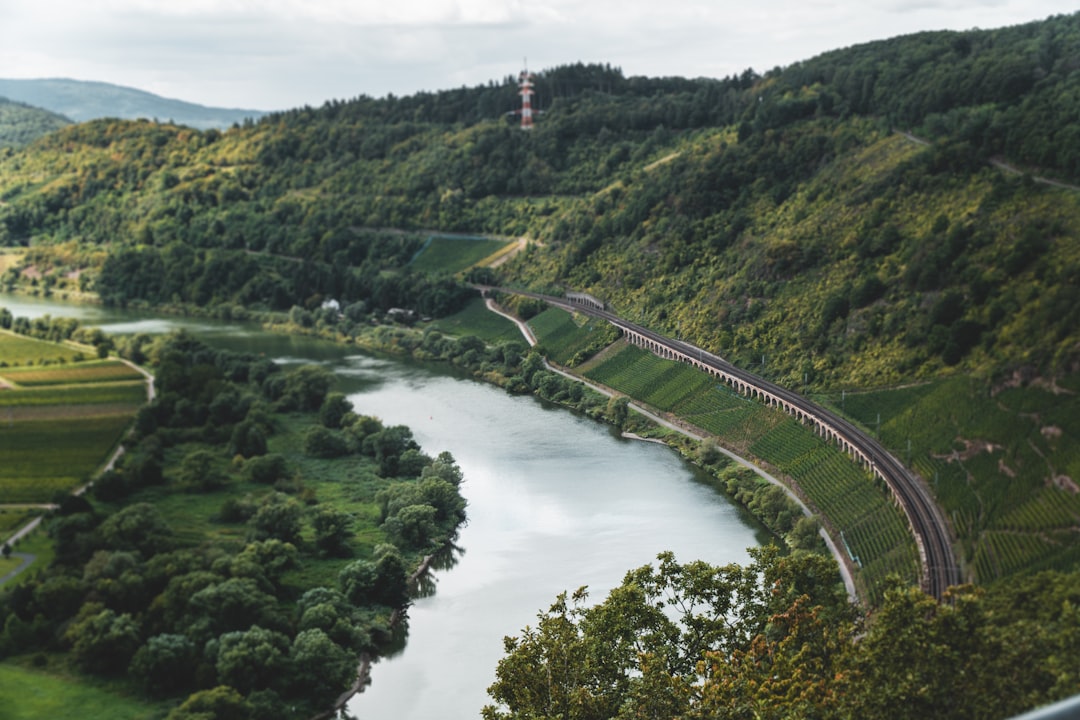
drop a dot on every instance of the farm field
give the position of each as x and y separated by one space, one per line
59 422
91 371
45 456
22 350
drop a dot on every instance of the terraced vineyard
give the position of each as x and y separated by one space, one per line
1009 484
570 339
874 528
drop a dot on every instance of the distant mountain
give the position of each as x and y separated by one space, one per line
21 124
81 101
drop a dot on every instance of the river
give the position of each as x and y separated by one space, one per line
556 501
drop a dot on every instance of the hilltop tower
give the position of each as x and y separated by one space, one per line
526 91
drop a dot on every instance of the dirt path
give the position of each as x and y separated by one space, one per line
999 164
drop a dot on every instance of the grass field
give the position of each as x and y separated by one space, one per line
92 371
22 350
476 319
454 254
40 545
32 694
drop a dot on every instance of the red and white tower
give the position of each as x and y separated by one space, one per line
525 83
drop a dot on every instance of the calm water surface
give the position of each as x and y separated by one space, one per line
556 501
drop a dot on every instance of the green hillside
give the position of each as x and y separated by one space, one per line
851 223
22 124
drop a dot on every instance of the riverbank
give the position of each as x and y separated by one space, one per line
363 668
842 558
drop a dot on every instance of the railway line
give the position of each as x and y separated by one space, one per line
938 565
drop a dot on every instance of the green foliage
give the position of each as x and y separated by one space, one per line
333 410
102 641
164 665
21 124
650 634
219 703
250 659
776 639
321 668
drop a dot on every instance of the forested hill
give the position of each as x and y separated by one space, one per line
775 215
20 124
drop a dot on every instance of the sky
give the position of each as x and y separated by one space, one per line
280 54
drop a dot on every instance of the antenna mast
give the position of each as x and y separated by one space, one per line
525 83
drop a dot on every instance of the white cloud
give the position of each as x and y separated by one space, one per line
282 53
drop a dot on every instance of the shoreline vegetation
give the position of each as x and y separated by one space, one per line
501 360
231 524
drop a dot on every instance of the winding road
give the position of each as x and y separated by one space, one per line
939 567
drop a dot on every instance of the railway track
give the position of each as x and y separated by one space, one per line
939 568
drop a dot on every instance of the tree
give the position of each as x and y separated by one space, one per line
643 651
267 469
618 410
247 440
332 530
357 581
321 442
279 516
219 703
334 409
304 388
229 605
200 471
250 659
138 527
165 665
264 559
413 526
321 668
387 445
328 610
102 641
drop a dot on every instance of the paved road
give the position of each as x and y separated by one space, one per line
26 558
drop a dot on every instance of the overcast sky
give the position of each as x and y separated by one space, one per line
277 54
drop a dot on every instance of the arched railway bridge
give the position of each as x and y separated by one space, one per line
938 564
